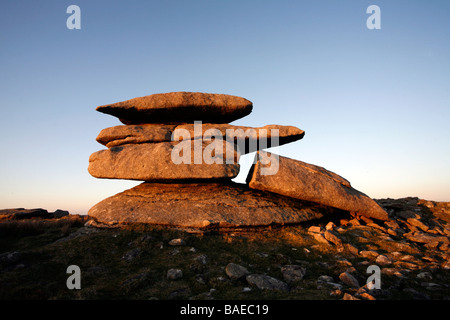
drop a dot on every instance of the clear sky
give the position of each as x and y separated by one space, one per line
375 104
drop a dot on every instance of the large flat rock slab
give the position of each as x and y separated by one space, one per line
248 139
179 107
135 134
308 182
156 162
203 206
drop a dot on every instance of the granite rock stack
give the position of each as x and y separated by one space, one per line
182 147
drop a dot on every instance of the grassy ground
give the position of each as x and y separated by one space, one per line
132 263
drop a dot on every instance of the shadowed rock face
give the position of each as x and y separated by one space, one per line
154 162
308 182
245 136
21 213
203 205
179 107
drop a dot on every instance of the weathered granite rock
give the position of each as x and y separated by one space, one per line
154 161
179 107
203 206
242 136
305 181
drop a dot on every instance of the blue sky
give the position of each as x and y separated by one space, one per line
375 104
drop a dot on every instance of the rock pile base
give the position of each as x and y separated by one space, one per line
207 206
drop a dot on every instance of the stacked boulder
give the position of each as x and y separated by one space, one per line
184 149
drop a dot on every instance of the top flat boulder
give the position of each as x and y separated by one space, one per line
179 107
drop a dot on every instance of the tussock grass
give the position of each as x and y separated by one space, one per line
35 226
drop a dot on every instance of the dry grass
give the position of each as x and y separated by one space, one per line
35 226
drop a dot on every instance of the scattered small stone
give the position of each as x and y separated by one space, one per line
183 293
422 237
174 274
292 273
392 224
429 259
383 260
314 229
349 280
340 229
377 227
368 254
200 278
366 220
325 279
365 263
392 232
235 271
203 259
136 279
348 296
262 254
367 296
264 282
424 275
330 226
416 223
406 265
320 238
132 254
351 270
407 257
336 293
430 285
343 262
335 285
177 242
333 239
351 249
10 257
